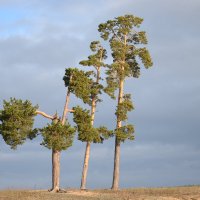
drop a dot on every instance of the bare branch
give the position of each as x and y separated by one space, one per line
71 111
116 36
45 115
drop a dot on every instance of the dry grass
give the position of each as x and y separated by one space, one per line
175 193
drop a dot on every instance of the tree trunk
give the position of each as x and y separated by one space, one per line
115 183
56 154
65 110
87 150
85 166
55 171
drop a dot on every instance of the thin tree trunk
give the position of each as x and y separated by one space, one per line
88 145
85 166
65 111
55 157
56 154
87 151
55 171
115 183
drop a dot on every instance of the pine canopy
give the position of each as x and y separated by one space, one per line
57 136
127 45
96 59
87 132
78 83
129 52
17 118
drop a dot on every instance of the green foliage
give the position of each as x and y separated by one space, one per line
104 132
17 118
126 45
112 82
125 132
128 52
96 89
86 131
96 59
57 136
79 83
144 55
119 27
82 117
139 38
123 107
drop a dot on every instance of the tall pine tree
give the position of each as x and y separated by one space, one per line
90 94
96 61
127 44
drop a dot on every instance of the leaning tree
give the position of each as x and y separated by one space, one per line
127 44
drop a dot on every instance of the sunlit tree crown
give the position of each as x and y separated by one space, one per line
17 118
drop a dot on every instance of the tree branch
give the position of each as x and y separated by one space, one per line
45 115
71 111
116 36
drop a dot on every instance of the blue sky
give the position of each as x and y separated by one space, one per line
39 39
10 18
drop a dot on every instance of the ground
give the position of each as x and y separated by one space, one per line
174 193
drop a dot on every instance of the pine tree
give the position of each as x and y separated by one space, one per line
96 61
91 89
59 135
129 52
17 118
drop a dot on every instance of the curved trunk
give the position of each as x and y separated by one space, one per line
55 171
88 145
115 183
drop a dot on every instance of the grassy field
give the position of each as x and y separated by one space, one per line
174 193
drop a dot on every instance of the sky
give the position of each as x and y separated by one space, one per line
39 39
